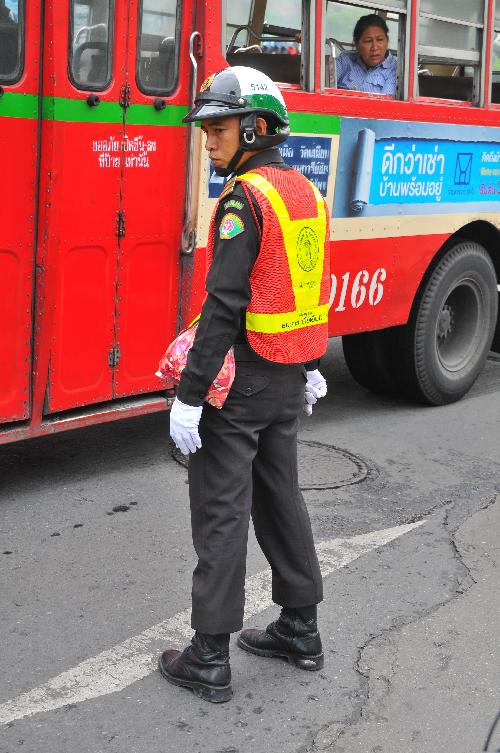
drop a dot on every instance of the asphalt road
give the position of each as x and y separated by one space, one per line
96 560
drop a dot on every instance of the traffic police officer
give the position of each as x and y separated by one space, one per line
267 295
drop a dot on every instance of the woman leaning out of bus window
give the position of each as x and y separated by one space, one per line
371 67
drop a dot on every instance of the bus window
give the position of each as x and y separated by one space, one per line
90 43
495 58
450 38
272 36
11 40
158 46
347 62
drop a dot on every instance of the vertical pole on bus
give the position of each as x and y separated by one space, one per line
188 238
188 232
320 46
413 56
404 61
487 56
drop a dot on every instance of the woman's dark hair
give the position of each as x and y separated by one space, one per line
365 21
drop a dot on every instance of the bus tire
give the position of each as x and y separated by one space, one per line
444 346
495 345
368 358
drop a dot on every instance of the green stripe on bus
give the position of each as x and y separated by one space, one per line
14 105
147 115
78 111
314 122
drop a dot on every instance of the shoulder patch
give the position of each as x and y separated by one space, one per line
233 203
228 187
230 226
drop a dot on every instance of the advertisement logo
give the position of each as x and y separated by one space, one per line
463 168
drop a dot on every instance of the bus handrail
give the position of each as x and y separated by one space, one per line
188 232
89 29
259 38
333 44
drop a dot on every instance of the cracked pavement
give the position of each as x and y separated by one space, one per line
96 525
433 684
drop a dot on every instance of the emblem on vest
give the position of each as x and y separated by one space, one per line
307 249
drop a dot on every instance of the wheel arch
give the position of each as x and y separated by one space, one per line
487 235
482 232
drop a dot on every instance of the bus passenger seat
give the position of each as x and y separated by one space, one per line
281 68
445 87
166 62
8 49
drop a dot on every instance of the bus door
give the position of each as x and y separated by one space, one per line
153 190
80 196
118 160
19 55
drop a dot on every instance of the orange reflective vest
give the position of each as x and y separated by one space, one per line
287 318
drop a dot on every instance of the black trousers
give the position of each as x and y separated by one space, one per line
248 465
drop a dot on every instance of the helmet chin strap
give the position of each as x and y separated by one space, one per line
248 139
248 131
223 172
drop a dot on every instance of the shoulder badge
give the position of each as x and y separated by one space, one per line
230 226
228 187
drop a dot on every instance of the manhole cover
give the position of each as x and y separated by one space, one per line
323 466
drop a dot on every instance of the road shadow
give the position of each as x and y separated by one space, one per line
94 450
144 440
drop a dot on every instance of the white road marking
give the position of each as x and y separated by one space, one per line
135 658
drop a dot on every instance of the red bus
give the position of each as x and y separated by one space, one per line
106 197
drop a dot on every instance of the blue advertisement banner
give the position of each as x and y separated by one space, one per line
310 155
388 168
215 183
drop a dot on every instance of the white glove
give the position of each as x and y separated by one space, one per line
184 420
314 389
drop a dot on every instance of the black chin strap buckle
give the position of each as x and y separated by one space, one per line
248 128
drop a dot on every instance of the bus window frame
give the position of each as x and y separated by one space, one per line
477 58
110 57
155 91
15 77
308 35
308 40
402 55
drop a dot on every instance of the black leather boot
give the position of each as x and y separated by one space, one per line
203 666
294 637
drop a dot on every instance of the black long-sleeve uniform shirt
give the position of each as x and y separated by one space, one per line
222 321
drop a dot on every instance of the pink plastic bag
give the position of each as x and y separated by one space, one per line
174 361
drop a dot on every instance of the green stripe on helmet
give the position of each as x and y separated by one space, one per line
267 102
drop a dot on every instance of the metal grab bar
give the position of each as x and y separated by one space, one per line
247 27
88 29
188 241
334 45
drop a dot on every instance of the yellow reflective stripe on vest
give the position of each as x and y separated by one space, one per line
304 242
271 323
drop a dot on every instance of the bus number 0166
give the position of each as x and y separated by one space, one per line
357 289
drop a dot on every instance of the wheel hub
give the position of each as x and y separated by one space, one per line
445 322
458 325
